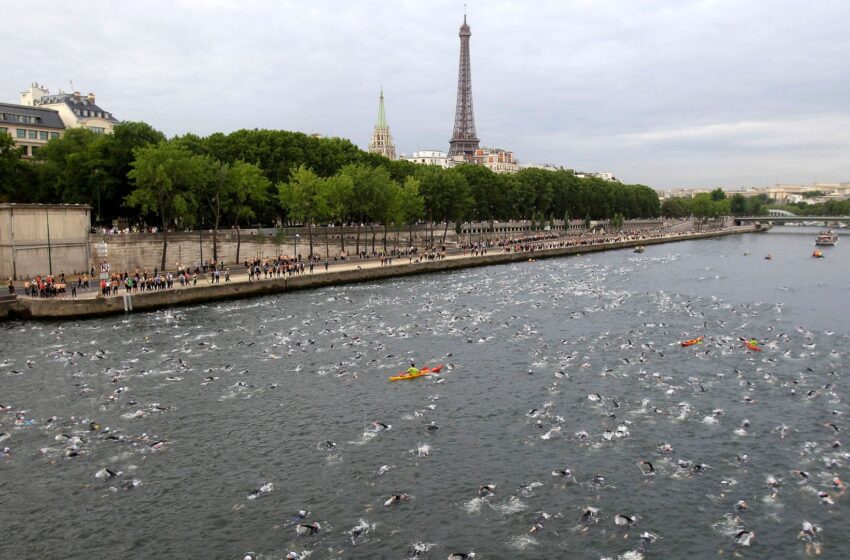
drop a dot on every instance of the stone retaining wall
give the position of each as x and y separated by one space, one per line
143 251
144 301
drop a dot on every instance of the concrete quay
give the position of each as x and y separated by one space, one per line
95 305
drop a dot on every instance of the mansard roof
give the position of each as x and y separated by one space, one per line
22 115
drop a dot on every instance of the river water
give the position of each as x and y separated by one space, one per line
569 363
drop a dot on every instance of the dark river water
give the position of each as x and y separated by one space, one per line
221 422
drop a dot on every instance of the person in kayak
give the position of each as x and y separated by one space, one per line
412 370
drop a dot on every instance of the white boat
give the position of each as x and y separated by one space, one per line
826 238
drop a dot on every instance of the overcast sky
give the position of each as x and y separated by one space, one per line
667 93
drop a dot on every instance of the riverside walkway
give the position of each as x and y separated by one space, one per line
93 303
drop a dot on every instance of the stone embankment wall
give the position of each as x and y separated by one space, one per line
39 238
143 251
66 308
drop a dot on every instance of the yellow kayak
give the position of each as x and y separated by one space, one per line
423 371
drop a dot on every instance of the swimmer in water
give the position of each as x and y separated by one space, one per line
809 535
264 489
302 529
486 490
538 523
590 515
624 520
301 515
565 473
744 538
396 499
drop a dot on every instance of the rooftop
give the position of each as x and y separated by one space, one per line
82 105
13 114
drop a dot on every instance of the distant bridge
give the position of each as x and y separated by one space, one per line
781 217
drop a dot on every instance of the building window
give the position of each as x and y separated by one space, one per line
97 129
54 135
25 150
34 150
33 134
21 133
3 130
42 135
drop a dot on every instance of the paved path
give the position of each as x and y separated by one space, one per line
241 275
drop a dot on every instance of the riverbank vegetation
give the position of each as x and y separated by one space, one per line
136 176
714 205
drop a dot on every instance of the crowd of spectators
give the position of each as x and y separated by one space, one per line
212 272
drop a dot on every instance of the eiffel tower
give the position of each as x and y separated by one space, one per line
464 140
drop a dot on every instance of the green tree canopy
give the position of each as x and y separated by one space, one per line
165 176
304 197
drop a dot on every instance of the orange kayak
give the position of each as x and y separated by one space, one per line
691 342
424 371
752 346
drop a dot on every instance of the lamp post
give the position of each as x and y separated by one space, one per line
97 185
296 247
49 255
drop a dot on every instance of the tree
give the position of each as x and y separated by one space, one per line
338 195
617 221
446 195
210 186
16 176
164 175
674 208
487 192
738 205
385 207
412 205
259 241
250 190
364 184
279 239
382 206
114 157
718 195
755 206
87 168
68 170
303 197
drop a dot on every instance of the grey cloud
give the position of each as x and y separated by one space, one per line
669 94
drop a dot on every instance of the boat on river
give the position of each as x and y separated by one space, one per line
424 371
817 254
693 341
826 238
640 249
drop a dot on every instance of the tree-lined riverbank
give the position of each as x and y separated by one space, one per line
343 273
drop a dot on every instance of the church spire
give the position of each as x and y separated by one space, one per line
382 116
382 141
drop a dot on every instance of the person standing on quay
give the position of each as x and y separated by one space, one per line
326 265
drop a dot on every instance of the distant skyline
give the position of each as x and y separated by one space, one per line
693 93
